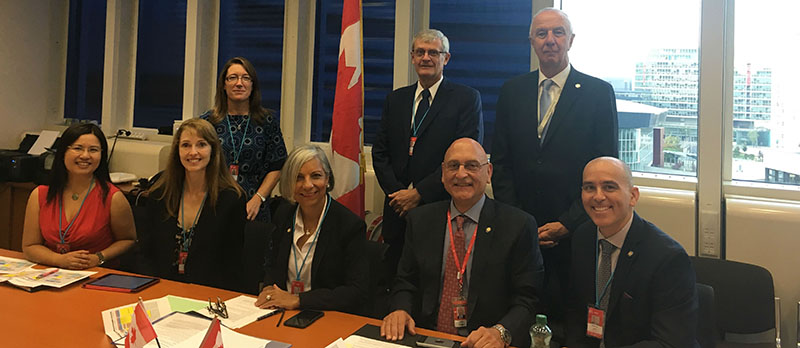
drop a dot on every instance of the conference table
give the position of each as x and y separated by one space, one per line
70 316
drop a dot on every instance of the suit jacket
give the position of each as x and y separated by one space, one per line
455 113
215 255
653 301
506 271
339 273
544 179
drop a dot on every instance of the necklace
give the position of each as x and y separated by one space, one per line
75 197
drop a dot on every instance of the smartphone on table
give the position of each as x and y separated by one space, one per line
435 342
303 319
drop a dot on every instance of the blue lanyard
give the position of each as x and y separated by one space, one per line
235 152
414 127
608 282
324 214
190 231
62 235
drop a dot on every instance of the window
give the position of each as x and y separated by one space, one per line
160 56
254 30
85 53
378 28
652 61
766 110
482 32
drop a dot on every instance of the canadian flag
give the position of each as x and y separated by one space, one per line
140 331
213 337
347 135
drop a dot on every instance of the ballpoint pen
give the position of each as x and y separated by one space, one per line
265 316
45 274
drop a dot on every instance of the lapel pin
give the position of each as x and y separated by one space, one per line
488 229
577 85
630 253
289 230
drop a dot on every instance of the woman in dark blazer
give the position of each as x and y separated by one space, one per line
196 214
318 261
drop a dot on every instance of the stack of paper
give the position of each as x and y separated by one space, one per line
33 279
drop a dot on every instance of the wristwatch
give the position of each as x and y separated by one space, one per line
504 334
263 199
101 258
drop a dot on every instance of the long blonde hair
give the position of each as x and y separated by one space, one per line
218 177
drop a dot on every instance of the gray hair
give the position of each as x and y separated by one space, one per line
295 161
430 35
562 13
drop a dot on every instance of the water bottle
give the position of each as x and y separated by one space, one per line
540 333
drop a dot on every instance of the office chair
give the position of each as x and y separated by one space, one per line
254 253
377 302
744 302
706 325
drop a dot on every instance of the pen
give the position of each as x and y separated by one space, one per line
45 274
265 316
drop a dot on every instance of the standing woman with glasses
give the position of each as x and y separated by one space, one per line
196 213
250 135
80 220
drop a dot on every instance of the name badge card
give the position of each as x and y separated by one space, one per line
595 321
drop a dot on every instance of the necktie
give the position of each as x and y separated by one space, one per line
544 104
450 288
422 108
603 274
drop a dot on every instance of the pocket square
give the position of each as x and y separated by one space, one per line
627 296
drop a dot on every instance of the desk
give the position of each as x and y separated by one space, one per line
70 317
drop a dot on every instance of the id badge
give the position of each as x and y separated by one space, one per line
62 248
234 169
182 262
459 312
595 321
411 143
297 287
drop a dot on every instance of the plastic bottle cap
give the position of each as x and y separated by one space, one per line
541 319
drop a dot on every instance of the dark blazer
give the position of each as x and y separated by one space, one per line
544 180
455 113
339 274
506 271
215 255
653 301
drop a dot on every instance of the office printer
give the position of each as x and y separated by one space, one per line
18 166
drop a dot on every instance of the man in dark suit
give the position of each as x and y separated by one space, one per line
549 124
470 265
638 282
418 123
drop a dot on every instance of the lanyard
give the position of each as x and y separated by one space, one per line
316 235
463 265
596 274
63 235
236 153
190 231
414 127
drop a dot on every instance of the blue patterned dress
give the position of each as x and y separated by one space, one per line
263 151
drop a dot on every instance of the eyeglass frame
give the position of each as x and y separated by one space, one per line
92 150
218 308
476 165
420 53
236 78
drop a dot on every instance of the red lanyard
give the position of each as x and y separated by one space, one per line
462 267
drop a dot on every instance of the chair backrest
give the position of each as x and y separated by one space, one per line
706 325
744 298
254 253
376 305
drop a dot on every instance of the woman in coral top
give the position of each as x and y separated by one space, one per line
80 220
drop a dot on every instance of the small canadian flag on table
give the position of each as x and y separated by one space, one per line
141 330
213 337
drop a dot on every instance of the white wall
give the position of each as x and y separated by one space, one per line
33 38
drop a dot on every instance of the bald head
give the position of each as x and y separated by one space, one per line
608 194
626 176
465 172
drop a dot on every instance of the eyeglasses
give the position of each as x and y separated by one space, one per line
419 53
93 150
218 308
470 166
234 78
